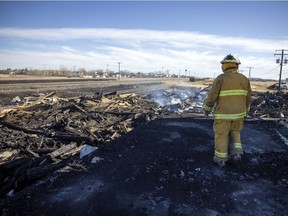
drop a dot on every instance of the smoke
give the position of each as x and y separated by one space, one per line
180 99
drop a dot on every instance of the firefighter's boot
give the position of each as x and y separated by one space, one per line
220 162
235 157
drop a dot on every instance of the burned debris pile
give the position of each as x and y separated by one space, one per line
191 100
41 136
180 99
270 105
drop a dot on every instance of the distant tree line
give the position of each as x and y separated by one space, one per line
82 72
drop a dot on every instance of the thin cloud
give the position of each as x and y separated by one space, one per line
68 49
138 49
173 38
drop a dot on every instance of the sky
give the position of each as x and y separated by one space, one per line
145 36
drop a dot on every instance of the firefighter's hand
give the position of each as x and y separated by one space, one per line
206 113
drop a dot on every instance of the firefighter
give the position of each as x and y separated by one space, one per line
229 98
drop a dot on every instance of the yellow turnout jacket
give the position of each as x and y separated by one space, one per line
231 93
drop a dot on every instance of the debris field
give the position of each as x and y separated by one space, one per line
40 136
43 134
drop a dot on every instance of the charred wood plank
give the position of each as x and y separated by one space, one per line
9 168
12 165
20 171
25 130
6 154
32 152
71 138
61 136
40 172
63 150
71 152
116 113
31 174
72 106
44 150
38 101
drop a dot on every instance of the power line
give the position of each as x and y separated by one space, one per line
270 70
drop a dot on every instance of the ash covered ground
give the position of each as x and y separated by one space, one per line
164 167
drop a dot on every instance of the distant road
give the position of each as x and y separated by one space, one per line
48 80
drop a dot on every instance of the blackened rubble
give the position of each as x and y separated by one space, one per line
270 105
164 167
42 134
190 100
180 99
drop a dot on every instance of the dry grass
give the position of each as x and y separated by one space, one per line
257 86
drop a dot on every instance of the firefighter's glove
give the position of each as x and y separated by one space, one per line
206 113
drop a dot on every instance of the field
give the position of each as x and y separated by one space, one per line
23 86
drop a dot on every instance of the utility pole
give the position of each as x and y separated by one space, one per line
119 63
281 64
250 71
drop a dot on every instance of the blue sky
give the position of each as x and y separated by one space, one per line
144 35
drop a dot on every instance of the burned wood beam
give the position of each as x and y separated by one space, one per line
72 152
31 152
74 107
13 164
116 113
40 100
25 130
5 155
61 136
63 150
71 137
40 172
44 150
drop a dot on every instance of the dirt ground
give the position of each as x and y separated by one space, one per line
22 86
163 167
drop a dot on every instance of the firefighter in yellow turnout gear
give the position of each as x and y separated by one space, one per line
230 95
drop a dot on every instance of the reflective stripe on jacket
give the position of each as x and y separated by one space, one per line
231 93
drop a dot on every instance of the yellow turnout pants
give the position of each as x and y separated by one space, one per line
227 137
